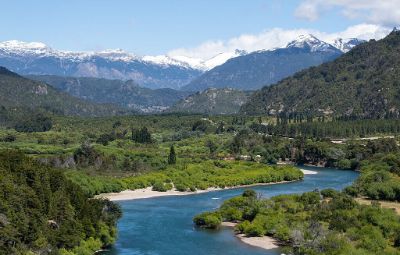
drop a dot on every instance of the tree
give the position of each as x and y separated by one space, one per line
211 146
36 123
172 156
220 128
141 135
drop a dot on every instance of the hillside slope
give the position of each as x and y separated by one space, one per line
212 101
363 82
126 94
17 92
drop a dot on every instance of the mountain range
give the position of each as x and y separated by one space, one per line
39 59
237 69
255 70
363 82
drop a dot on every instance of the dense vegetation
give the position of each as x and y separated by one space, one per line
186 153
319 222
379 178
299 127
126 94
327 221
130 147
191 177
212 101
41 212
363 82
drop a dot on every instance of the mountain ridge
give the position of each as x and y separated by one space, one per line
17 92
259 68
126 94
363 83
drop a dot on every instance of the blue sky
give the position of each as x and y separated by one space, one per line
161 26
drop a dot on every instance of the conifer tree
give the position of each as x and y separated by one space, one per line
172 156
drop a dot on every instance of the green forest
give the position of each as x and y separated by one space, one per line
42 212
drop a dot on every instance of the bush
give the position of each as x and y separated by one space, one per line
254 229
344 164
231 214
162 187
9 138
211 220
249 193
37 123
329 193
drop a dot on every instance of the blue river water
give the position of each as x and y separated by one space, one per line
163 225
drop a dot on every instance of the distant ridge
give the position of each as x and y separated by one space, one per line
255 70
126 94
17 92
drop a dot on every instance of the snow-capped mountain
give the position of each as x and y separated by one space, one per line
39 59
260 68
38 49
149 71
312 43
346 44
195 63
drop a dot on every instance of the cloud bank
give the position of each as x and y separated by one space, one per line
383 12
275 38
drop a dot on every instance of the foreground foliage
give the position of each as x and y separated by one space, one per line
44 213
326 222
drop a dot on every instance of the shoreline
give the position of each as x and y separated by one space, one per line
126 195
263 242
149 193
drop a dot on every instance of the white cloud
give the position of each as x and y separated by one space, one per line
383 12
275 38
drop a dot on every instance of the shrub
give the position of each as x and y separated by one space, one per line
254 229
211 220
249 193
9 138
329 193
36 123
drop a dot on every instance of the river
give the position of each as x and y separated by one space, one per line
163 225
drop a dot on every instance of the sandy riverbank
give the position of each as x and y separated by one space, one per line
264 242
149 193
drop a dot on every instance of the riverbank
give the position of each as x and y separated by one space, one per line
149 193
264 242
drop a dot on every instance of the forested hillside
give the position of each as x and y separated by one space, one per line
212 101
41 212
126 94
20 93
363 82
